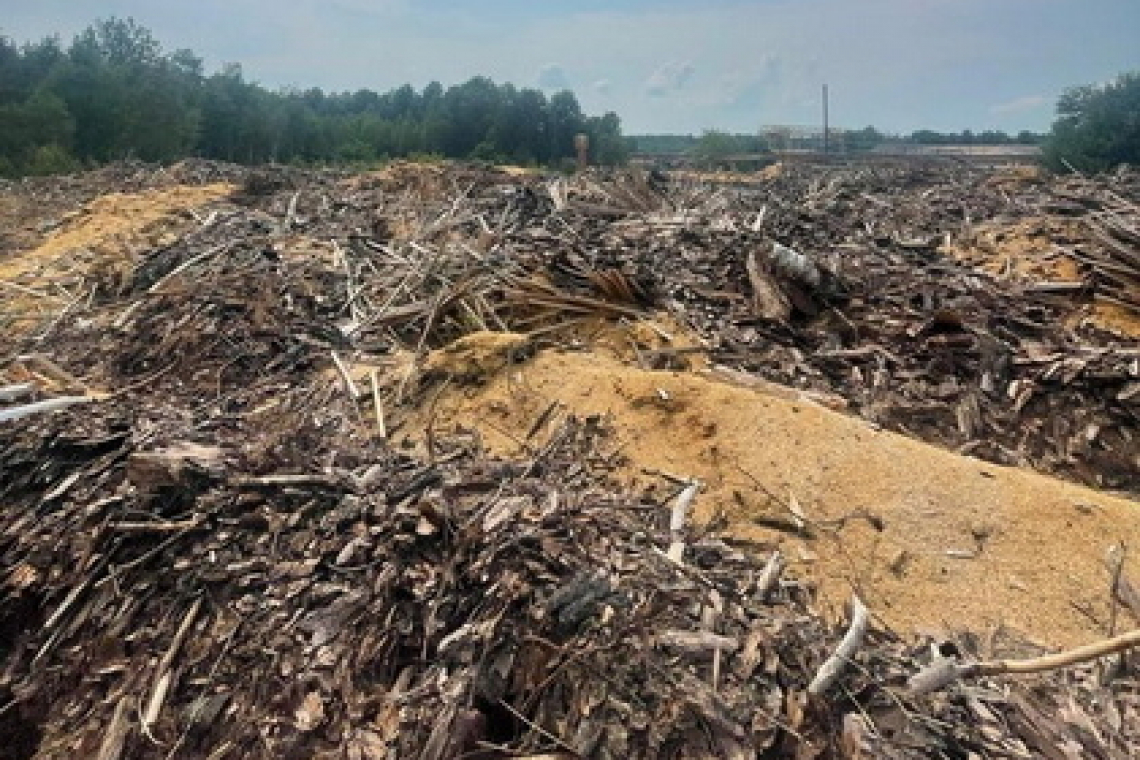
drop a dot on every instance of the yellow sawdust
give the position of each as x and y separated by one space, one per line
1027 249
477 355
964 543
100 239
1032 250
1118 319
122 218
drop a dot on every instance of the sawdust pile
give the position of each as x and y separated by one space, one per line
73 249
1034 250
927 537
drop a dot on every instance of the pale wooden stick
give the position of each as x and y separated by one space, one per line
378 405
945 671
13 392
164 670
185 265
349 384
48 405
116 734
770 575
709 619
831 669
678 517
291 212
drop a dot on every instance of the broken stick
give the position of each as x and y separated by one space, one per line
945 671
678 517
831 669
14 392
165 670
48 405
378 405
770 575
349 384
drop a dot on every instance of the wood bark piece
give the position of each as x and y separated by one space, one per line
697 641
768 298
174 466
1120 587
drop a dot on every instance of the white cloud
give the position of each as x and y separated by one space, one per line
553 77
602 86
1020 105
668 79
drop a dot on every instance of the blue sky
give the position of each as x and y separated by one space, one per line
666 65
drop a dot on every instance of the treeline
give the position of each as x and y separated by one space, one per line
714 143
115 93
662 143
969 137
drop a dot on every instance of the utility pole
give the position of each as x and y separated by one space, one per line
825 130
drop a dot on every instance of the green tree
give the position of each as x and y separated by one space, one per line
606 143
1097 126
714 146
863 139
126 97
50 159
471 108
531 142
564 120
25 128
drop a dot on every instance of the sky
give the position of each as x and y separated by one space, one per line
665 66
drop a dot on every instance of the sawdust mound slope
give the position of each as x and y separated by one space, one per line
929 538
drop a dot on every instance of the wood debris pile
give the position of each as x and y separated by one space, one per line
903 334
162 601
215 548
1114 223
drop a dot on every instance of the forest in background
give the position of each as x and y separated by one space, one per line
115 93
